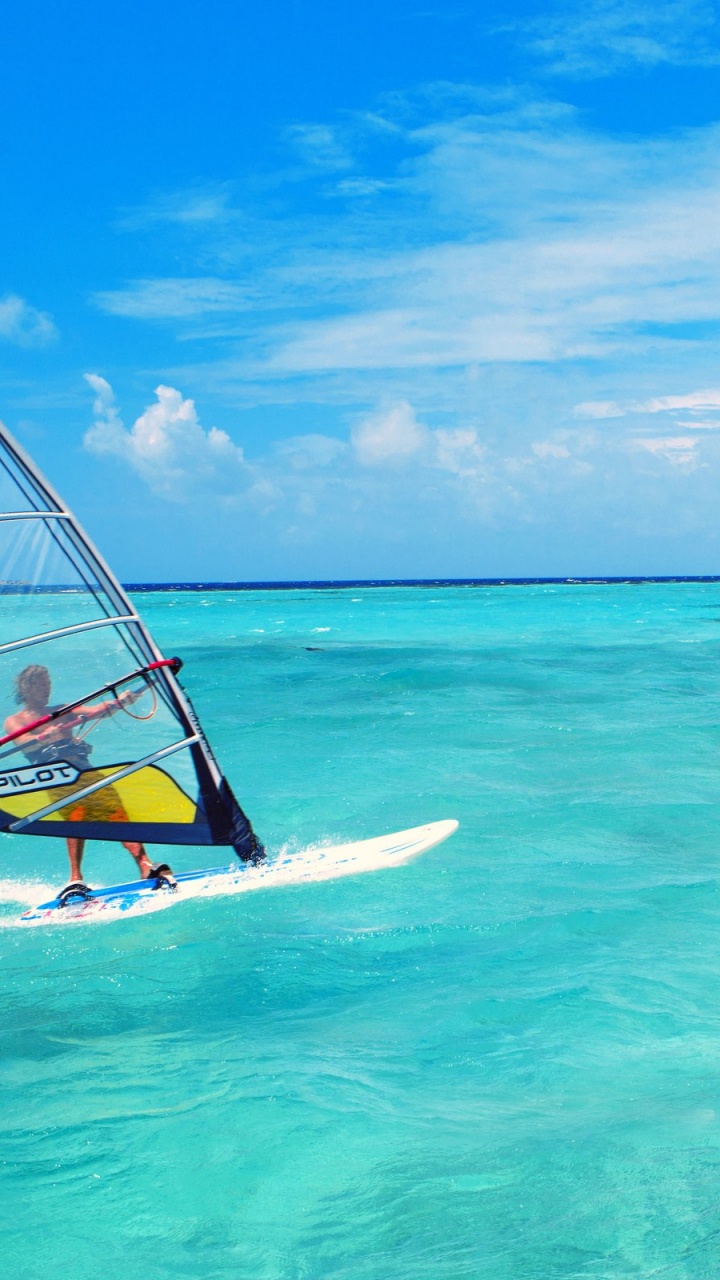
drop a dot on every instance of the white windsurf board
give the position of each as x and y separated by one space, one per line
309 865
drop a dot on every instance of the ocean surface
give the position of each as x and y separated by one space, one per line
501 1061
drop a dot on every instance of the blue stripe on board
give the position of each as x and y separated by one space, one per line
339 584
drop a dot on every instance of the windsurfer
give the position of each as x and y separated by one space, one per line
57 741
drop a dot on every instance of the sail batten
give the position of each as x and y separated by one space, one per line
132 765
76 629
106 781
35 515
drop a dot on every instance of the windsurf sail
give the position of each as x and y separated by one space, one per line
98 738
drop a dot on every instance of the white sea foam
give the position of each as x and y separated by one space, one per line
24 893
309 866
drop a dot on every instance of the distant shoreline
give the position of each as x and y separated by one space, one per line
339 584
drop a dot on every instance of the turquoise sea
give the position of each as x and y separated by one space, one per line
501 1061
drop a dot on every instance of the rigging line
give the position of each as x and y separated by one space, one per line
103 782
40 493
27 471
67 631
111 589
69 543
31 497
142 644
72 543
64 549
79 564
138 642
89 559
110 687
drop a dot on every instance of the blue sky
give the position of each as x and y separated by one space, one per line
402 291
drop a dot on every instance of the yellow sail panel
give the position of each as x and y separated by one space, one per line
148 795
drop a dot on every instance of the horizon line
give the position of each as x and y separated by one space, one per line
321 584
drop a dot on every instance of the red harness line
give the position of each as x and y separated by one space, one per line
175 663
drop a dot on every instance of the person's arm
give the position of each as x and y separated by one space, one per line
111 706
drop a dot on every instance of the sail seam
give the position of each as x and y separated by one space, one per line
104 782
67 631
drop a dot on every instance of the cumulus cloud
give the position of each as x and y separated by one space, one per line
24 325
458 450
321 490
485 248
392 435
166 445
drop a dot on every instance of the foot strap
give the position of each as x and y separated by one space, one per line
162 874
75 891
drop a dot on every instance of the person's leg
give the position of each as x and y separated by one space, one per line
137 851
75 853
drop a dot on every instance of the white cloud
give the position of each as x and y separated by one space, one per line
459 450
677 450
613 35
550 449
599 409
320 490
613 245
166 445
361 186
502 243
108 423
194 209
306 452
693 401
173 298
702 400
320 146
24 325
392 435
